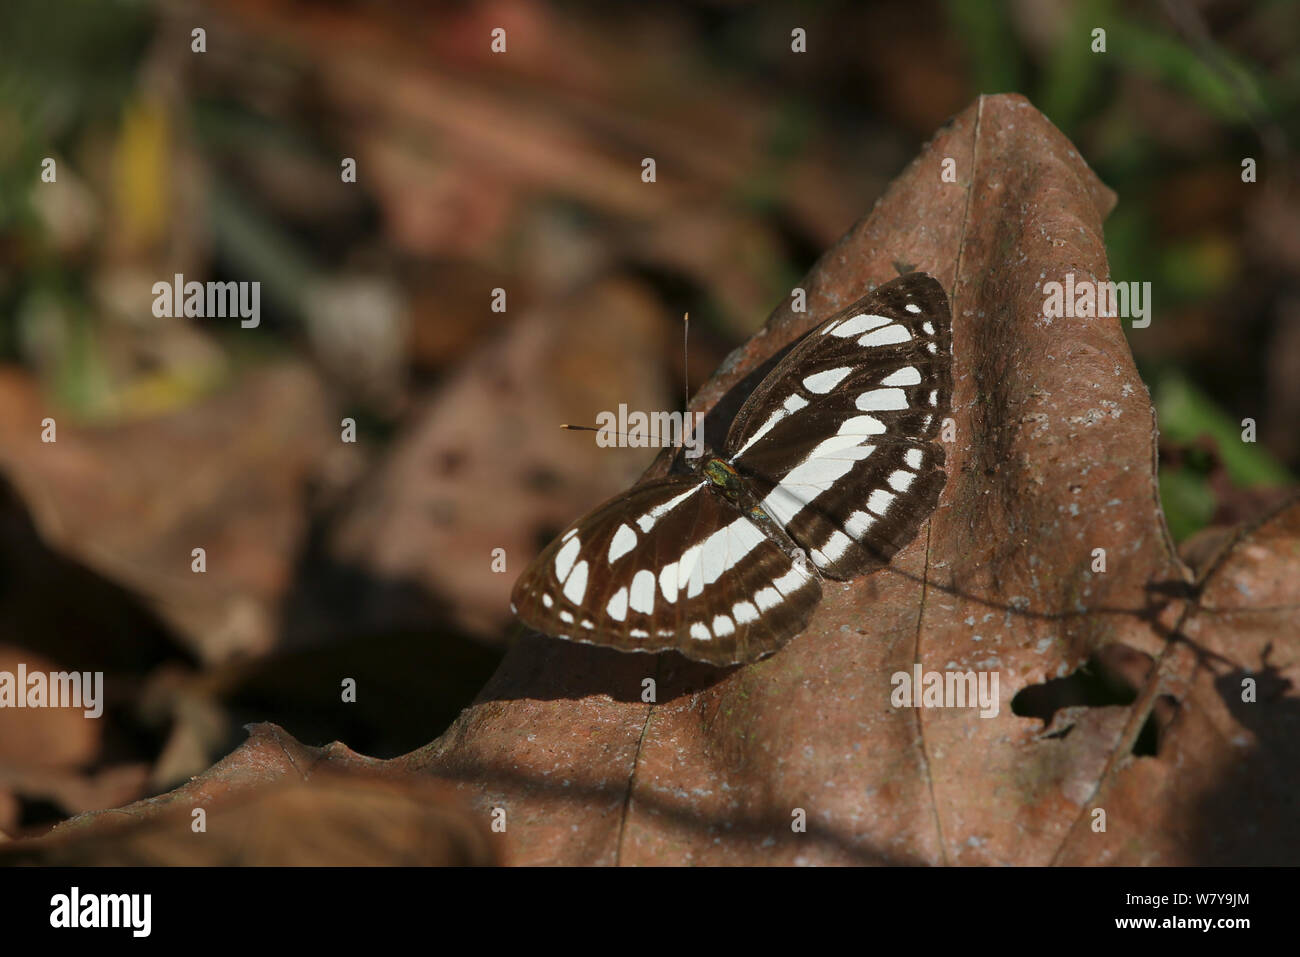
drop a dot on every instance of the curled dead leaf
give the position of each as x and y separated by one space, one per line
1053 459
1051 467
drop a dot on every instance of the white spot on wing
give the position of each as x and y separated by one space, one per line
862 425
742 536
842 446
859 523
548 601
576 586
700 631
642 595
802 484
913 458
860 324
833 550
686 565
888 336
624 541
791 581
912 308
908 375
878 501
668 582
901 481
768 598
744 612
727 546
928 327
723 626
713 556
696 583
882 400
566 618
828 462
565 557
823 382
793 403
690 576
647 521
617 607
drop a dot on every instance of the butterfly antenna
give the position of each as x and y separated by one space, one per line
686 332
686 362
592 428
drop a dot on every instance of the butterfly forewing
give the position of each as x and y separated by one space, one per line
671 564
837 440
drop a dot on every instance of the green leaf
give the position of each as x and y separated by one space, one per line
1185 414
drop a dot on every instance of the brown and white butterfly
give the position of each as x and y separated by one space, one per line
829 468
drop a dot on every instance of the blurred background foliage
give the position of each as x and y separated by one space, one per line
519 171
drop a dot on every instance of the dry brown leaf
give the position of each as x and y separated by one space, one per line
276 802
1053 458
131 501
1224 788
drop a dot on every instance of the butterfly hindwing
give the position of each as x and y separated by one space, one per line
837 439
671 564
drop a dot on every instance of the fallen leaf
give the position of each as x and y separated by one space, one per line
1222 790
229 474
1052 459
309 807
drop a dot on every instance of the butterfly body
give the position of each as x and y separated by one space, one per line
828 469
721 474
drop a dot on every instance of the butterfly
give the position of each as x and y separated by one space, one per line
828 469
